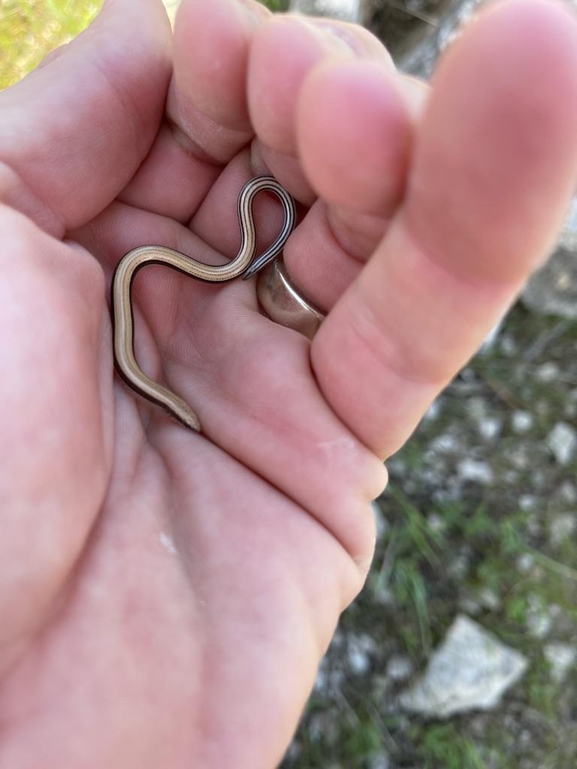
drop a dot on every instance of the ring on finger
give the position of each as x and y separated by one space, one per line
283 302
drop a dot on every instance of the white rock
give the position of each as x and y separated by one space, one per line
562 658
470 670
436 523
359 649
539 620
470 606
380 761
525 563
527 502
445 444
477 408
508 346
472 470
561 527
547 372
346 10
568 492
539 625
381 524
569 232
432 412
358 661
562 441
490 427
458 567
519 456
489 599
491 338
522 422
399 668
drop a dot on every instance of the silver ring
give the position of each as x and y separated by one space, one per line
283 303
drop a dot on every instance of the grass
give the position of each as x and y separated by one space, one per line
29 29
444 745
276 5
497 534
414 592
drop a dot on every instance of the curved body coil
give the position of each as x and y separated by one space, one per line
244 264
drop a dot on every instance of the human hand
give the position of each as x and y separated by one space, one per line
165 596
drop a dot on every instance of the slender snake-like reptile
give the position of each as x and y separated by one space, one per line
243 264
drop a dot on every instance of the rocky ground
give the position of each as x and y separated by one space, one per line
479 522
461 652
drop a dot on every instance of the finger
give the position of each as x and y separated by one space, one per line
207 120
76 129
355 138
55 439
283 53
216 219
207 97
243 380
359 107
495 164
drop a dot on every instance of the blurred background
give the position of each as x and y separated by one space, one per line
461 652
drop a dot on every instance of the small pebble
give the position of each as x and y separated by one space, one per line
379 761
562 441
489 599
359 649
490 427
508 346
459 567
433 411
568 492
525 563
381 524
522 422
472 470
562 658
527 502
399 668
436 523
562 527
547 372
445 444
539 620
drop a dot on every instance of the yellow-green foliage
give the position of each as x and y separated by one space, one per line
276 5
29 29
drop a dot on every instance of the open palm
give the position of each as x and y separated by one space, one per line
166 596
